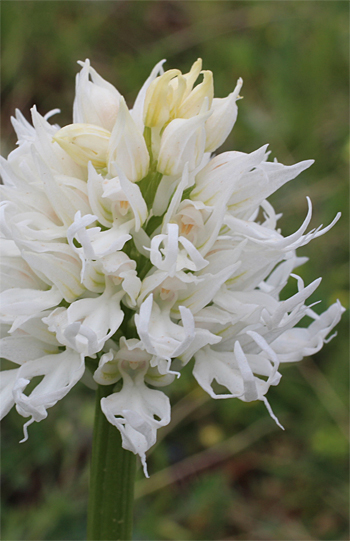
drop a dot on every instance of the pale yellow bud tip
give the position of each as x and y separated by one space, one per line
84 143
158 100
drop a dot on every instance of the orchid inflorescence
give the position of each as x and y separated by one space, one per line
129 249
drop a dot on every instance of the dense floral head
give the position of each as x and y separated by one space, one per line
129 248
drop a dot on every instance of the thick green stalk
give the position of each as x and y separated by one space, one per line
112 479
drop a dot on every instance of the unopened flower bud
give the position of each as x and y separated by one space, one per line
96 101
161 97
192 75
84 143
127 147
193 103
172 96
221 122
183 141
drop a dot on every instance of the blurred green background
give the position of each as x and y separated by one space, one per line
222 469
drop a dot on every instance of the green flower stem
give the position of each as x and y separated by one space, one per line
112 479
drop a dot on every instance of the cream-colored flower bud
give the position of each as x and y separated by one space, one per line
127 147
222 120
172 95
192 76
161 97
183 141
194 101
177 91
84 143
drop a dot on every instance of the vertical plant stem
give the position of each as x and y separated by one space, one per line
112 479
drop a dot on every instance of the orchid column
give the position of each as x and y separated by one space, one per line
128 250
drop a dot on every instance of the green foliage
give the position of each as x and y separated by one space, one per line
247 479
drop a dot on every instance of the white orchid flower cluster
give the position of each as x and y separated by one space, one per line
128 247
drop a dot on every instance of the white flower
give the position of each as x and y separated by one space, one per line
121 224
160 335
134 409
87 323
61 372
